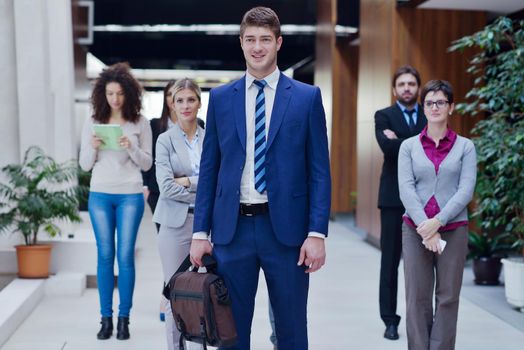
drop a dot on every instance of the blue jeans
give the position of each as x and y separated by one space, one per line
123 212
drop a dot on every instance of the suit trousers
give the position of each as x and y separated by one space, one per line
173 246
254 247
391 250
152 200
426 272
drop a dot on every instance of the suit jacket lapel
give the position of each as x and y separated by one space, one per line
421 120
282 97
239 109
401 120
179 145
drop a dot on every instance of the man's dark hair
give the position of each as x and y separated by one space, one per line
406 69
435 86
261 17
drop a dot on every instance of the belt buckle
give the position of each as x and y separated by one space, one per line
242 210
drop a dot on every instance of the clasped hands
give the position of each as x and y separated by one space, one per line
428 230
312 253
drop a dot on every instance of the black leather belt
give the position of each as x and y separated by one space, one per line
253 209
191 210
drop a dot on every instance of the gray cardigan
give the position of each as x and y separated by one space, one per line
452 187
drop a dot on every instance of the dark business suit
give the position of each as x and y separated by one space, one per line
298 191
149 176
391 209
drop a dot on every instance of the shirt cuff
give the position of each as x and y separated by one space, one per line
315 234
200 235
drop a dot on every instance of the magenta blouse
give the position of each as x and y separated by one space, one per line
436 155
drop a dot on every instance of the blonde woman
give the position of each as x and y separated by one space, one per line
177 168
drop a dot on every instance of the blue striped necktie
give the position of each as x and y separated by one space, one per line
260 137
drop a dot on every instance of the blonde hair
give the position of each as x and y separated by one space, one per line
186 83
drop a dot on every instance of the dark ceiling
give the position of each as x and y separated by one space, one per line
197 51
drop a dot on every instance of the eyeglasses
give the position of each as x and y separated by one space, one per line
440 104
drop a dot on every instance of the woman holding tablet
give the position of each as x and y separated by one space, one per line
116 201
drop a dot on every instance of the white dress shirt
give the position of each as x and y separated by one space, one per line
194 152
248 193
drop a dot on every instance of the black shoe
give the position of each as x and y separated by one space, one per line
122 328
391 332
107 328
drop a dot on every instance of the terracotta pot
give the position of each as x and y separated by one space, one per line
33 260
487 270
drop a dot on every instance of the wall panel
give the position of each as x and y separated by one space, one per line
391 37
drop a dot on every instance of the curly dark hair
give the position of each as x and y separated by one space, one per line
118 73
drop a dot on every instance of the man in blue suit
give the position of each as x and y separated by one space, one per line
264 189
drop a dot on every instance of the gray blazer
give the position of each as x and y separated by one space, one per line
172 161
452 187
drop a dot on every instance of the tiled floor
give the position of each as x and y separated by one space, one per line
343 308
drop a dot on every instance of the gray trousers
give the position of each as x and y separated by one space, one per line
426 272
173 245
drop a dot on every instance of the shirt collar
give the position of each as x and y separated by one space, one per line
183 133
271 79
404 109
450 134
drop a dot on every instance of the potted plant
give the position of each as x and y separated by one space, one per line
499 94
32 196
486 252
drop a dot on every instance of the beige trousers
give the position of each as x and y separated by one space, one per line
173 245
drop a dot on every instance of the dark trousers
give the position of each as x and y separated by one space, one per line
152 200
391 247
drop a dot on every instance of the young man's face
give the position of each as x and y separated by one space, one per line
260 50
406 89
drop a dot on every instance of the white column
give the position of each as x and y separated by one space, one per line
61 61
8 88
44 52
32 53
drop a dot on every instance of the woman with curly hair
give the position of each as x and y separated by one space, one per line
116 201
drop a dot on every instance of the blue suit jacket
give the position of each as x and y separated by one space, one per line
297 163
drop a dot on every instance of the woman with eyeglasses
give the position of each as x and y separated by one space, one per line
436 172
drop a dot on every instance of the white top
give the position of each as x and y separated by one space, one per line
118 172
248 193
